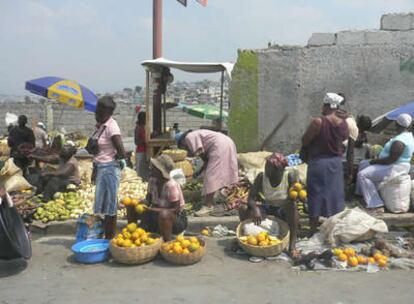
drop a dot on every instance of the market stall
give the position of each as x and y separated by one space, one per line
161 66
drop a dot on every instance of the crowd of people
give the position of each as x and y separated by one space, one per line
334 146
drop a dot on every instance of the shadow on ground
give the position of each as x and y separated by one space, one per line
12 267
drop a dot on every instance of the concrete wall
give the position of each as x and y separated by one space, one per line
374 68
56 116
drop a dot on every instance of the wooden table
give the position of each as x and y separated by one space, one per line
159 143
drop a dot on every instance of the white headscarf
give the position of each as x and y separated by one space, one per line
333 99
404 120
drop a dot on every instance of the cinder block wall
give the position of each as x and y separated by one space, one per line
374 68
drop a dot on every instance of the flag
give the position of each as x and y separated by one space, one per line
203 2
183 2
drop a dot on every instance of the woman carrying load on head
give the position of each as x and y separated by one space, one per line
219 156
322 143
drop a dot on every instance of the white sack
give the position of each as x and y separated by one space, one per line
396 194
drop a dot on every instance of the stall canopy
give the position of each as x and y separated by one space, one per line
384 121
191 67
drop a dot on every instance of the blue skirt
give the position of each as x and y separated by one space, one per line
325 185
107 183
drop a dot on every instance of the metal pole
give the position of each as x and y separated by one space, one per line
221 99
157 53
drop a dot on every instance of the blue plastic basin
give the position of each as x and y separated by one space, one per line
91 251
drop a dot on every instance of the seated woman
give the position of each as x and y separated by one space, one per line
272 187
165 214
67 173
393 160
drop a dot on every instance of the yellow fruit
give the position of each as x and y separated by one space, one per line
113 241
243 238
132 227
205 232
124 230
120 236
342 257
137 242
126 201
120 242
144 237
180 238
337 251
382 263
167 246
264 243
193 239
185 243
193 247
126 235
127 243
297 186
140 231
134 202
371 260
350 252
262 236
274 242
134 236
150 241
293 195
378 256
139 209
362 260
251 240
133 246
353 261
177 249
303 195
185 251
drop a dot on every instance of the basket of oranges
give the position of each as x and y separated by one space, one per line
134 245
263 244
184 250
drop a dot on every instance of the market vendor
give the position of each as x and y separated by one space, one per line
393 160
21 139
269 195
166 214
219 156
108 160
67 173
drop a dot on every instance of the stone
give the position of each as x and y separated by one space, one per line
379 37
397 22
321 39
350 38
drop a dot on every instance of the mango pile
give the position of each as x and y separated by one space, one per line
350 256
182 245
263 239
134 202
133 236
64 206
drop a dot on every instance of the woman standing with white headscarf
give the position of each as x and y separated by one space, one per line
394 160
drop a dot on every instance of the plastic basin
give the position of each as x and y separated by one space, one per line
91 251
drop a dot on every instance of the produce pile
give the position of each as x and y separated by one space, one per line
182 245
299 194
262 239
194 185
64 206
353 259
133 236
236 195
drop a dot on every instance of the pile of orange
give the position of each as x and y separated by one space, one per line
133 236
134 202
298 192
182 245
349 255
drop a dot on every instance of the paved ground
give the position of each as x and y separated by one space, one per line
52 276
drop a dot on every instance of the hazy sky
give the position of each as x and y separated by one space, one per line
101 43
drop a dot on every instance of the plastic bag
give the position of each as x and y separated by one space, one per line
267 225
178 176
396 194
89 227
11 119
351 225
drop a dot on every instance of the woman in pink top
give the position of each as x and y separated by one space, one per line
166 214
219 155
107 164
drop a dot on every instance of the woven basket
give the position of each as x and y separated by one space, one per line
179 155
137 255
267 251
185 259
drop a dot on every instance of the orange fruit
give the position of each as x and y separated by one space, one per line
261 237
293 195
251 240
350 252
134 202
371 260
303 195
362 260
353 261
297 186
177 249
377 256
342 257
382 263
126 201
186 251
